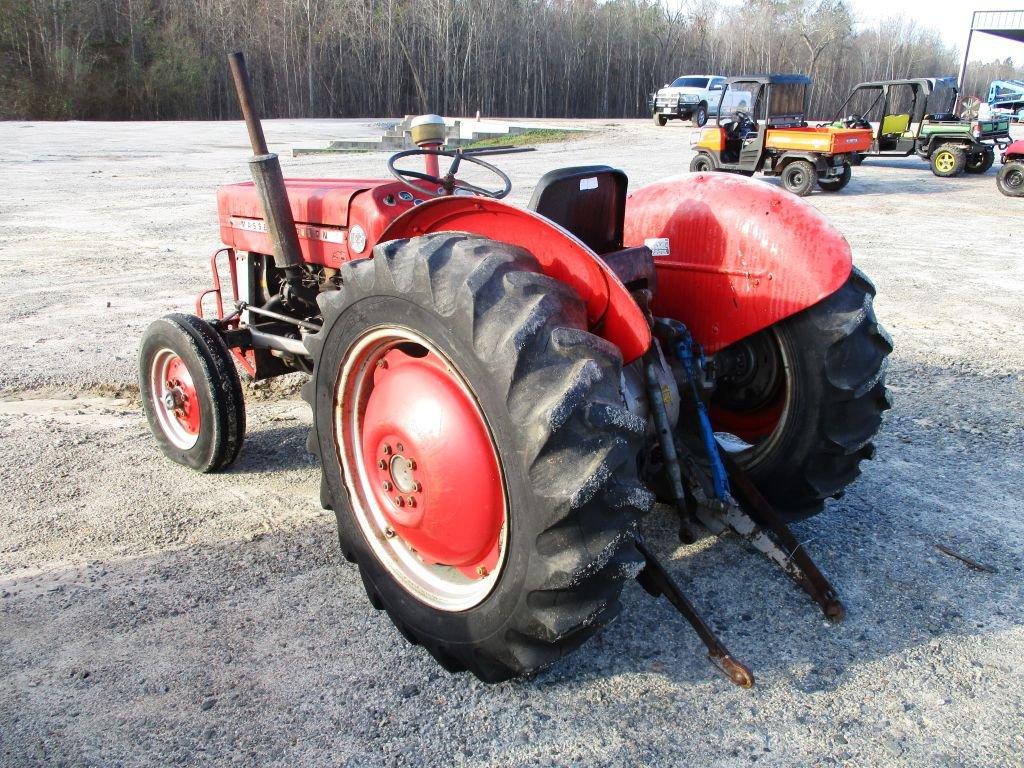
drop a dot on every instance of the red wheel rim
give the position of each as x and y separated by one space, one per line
175 400
757 422
421 467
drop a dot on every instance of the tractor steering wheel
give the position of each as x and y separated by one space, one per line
448 184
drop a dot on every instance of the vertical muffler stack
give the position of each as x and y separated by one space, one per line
269 181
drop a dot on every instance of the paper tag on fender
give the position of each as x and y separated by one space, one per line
658 245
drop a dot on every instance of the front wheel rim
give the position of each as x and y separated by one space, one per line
444 541
944 161
175 399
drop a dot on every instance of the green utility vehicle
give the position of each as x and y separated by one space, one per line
916 116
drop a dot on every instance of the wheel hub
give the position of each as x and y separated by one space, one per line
177 402
431 500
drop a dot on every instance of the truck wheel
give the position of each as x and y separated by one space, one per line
799 177
191 392
948 160
836 183
700 117
805 397
1010 179
476 450
659 120
702 163
981 161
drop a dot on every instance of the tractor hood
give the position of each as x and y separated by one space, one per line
322 202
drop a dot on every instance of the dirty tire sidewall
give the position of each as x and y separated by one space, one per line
222 408
837 355
519 340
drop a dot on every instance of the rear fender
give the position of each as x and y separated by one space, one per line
733 255
1015 151
611 310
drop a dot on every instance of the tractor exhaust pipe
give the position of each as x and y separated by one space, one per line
266 175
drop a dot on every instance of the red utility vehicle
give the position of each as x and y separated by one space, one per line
499 393
1010 178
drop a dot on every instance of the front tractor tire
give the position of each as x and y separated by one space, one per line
948 160
477 451
799 177
191 392
806 398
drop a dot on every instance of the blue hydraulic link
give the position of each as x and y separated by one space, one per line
692 362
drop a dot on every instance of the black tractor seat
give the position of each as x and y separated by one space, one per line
590 202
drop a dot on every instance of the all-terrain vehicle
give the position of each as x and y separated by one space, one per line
1010 178
773 137
690 97
916 116
500 393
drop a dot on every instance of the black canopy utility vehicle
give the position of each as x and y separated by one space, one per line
916 116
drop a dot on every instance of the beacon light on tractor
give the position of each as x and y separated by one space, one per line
772 136
500 393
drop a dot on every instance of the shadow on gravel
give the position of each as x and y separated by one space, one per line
274 449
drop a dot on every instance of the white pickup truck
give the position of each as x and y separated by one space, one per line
690 97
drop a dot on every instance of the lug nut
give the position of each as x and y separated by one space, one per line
387 485
389 532
399 501
382 464
412 463
416 486
382 363
400 448
387 449
481 571
411 501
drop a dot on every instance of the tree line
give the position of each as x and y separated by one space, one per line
165 59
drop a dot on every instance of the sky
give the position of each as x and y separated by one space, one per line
951 18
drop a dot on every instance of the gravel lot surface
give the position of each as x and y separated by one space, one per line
152 616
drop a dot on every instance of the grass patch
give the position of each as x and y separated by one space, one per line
527 138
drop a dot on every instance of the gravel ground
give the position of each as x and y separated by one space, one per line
152 616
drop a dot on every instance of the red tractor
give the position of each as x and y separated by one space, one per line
499 394
1010 178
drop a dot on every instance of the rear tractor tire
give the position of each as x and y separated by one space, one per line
191 392
836 183
948 160
799 177
1010 178
702 162
476 450
806 397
